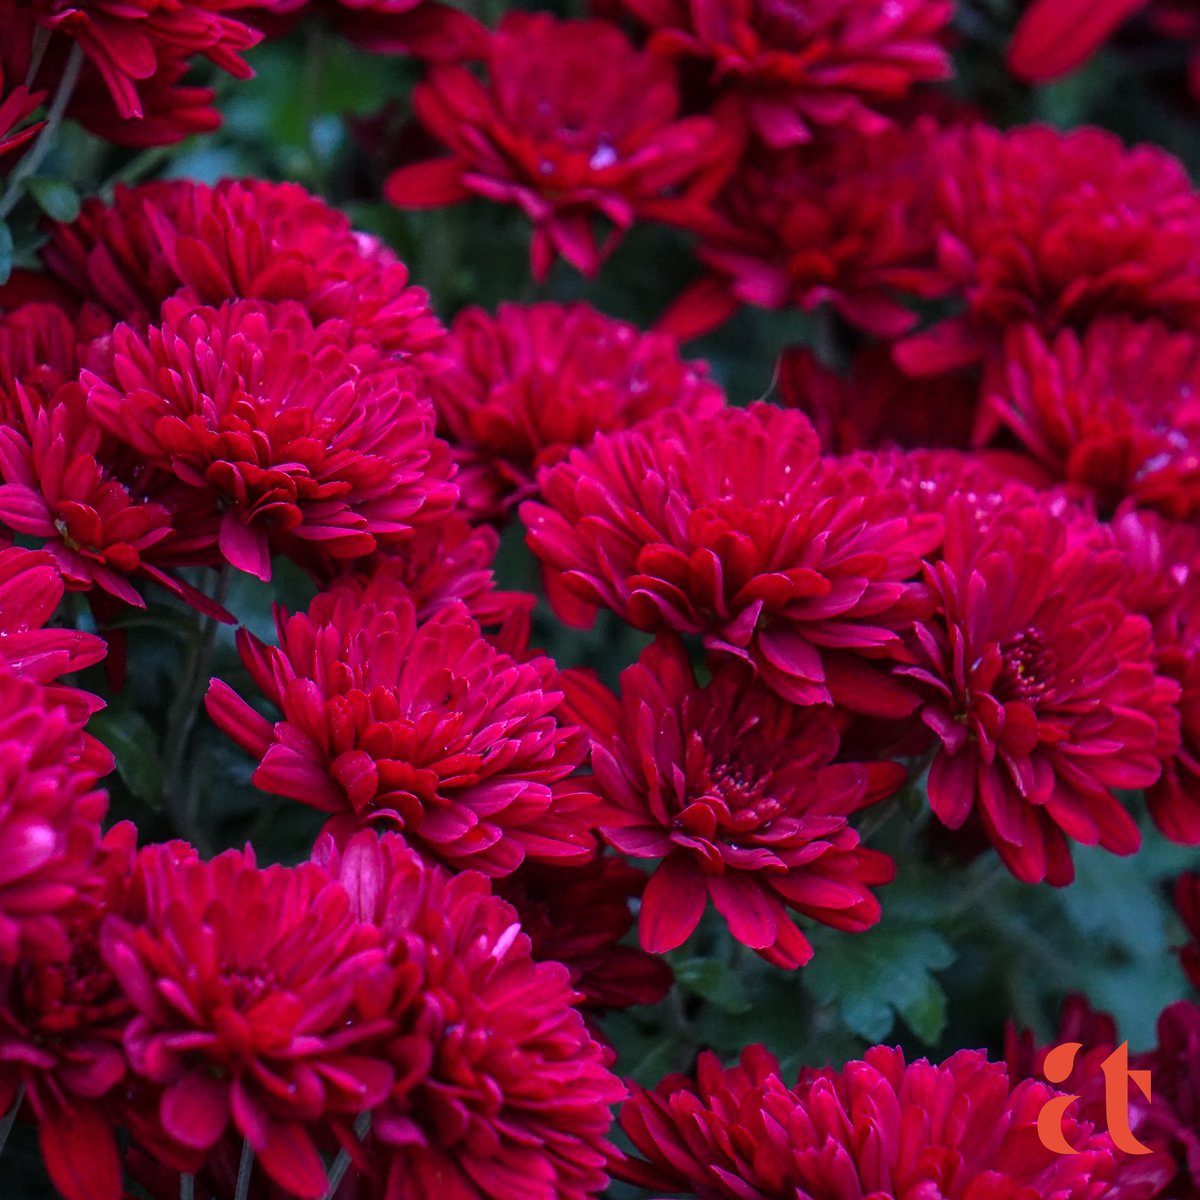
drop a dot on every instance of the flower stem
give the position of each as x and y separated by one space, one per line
29 164
187 1187
183 714
10 1117
341 1164
245 1170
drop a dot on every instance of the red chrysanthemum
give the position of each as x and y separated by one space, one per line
247 984
1162 562
734 528
30 592
242 239
577 916
573 125
841 222
447 563
1115 411
302 441
50 814
501 1093
1055 228
1040 688
428 29
877 406
879 1128
1187 901
125 42
1054 37
1165 1123
738 793
423 728
61 1029
15 106
797 64
535 381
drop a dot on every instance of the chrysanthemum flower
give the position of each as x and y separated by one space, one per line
738 793
877 405
242 239
1054 37
1187 901
1172 1119
1040 687
1115 411
573 125
837 223
1058 229
304 441
1162 583
50 812
535 381
501 1093
879 1128
798 566
124 42
246 983
15 105
447 563
428 29
797 64
423 728
30 592
61 1028
577 916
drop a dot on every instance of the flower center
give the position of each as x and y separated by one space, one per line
1029 667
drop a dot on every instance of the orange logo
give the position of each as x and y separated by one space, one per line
1060 1062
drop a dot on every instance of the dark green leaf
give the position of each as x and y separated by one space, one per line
6 252
135 747
716 981
56 198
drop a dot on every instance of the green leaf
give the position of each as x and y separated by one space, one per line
135 747
716 981
876 976
55 197
6 252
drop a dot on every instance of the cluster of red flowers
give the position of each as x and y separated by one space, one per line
839 594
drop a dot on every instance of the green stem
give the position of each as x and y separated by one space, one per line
10 1117
183 714
341 1164
29 164
245 1170
187 1187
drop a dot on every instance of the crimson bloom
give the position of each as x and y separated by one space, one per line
125 42
242 239
1055 228
423 728
879 1128
246 984
15 106
1040 687
531 383
576 916
1114 411
50 814
796 64
306 441
1054 37
840 222
573 125
501 1093
30 592
799 566
61 1028
738 793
